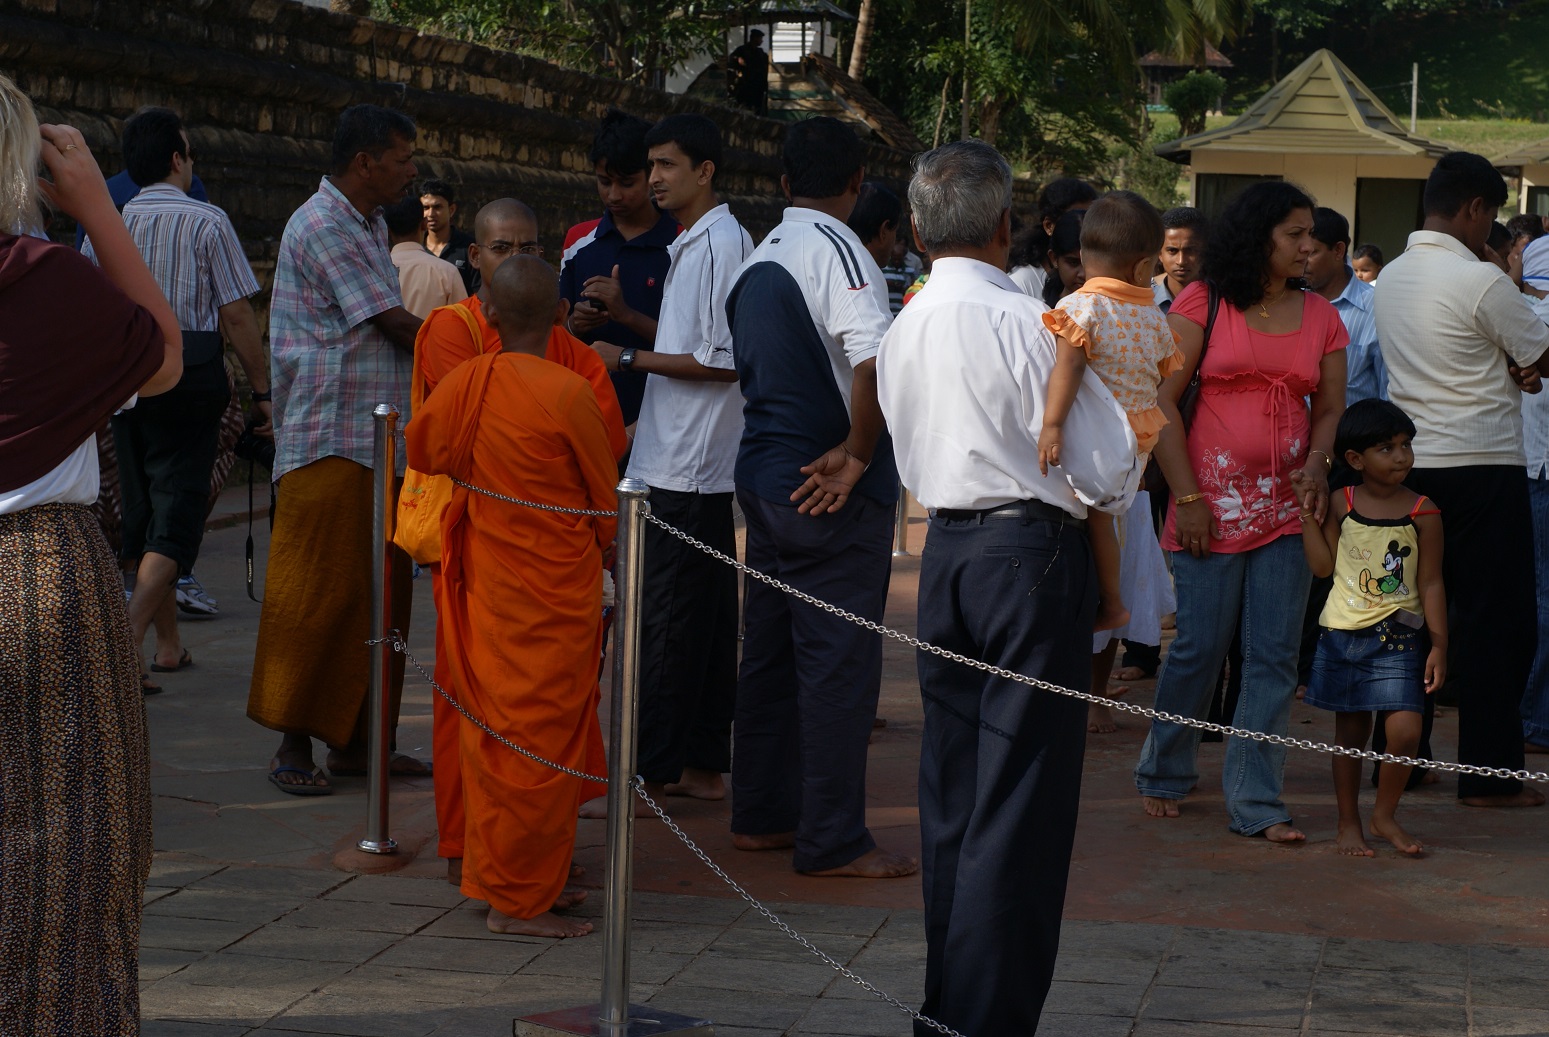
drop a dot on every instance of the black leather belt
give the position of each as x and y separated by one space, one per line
1026 510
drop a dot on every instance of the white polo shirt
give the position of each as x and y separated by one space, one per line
1447 322
963 377
688 432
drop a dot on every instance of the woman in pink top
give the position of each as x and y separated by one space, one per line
1234 521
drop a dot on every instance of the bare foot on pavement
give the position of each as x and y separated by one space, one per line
1156 806
1394 833
547 925
697 784
876 863
775 841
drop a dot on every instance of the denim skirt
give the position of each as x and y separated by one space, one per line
1377 668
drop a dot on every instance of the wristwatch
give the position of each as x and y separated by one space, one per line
263 397
626 358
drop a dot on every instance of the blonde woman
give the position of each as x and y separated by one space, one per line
76 344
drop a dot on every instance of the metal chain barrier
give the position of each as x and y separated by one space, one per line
637 785
531 504
1100 700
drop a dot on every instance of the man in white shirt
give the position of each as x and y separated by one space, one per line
817 486
1459 341
1006 577
685 450
426 282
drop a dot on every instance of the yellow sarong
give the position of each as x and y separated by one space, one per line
312 666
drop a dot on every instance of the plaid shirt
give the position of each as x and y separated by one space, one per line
328 365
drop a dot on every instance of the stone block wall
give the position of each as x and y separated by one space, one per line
260 84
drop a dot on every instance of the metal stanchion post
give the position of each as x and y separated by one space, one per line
901 525
378 735
615 1016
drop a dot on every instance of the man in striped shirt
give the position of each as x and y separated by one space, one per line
167 444
1329 274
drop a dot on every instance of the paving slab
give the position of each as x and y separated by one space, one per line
1172 928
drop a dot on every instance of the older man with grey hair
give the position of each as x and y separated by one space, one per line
1006 578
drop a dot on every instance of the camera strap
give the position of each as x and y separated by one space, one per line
250 466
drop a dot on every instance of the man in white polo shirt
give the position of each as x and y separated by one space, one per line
817 486
685 449
1460 344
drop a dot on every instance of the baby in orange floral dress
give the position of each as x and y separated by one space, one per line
1111 323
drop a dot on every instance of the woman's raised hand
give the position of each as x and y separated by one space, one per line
77 189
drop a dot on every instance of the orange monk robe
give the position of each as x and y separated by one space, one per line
521 607
445 344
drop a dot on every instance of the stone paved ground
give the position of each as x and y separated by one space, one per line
1171 928
244 950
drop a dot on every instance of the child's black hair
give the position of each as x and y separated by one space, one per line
619 146
1368 422
1368 251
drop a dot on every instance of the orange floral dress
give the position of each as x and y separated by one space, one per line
1127 343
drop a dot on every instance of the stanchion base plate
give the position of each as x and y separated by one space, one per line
586 1021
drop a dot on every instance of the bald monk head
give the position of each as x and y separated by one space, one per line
502 229
522 303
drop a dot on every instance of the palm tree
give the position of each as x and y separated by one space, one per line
862 45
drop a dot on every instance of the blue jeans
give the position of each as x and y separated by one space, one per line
1535 701
1266 588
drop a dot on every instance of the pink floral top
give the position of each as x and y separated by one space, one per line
1251 425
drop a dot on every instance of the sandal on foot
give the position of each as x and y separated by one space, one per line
146 687
299 788
184 662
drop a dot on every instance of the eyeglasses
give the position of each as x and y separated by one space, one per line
505 248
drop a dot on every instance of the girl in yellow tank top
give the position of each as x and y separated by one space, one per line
1384 641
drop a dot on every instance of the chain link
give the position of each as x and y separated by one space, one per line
638 785
396 640
1099 700
531 504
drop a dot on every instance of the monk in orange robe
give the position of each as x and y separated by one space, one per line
521 597
501 229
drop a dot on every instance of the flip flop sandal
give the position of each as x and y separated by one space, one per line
146 687
183 663
295 789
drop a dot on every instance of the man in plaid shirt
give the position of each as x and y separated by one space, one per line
340 343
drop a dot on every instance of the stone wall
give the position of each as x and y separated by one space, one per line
260 84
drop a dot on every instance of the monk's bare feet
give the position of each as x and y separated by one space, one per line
577 872
454 870
1528 797
1110 616
597 809
569 898
1099 720
876 863
1389 829
1156 806
1351 841
1534 749
775 841
697 784
1283 833
547 925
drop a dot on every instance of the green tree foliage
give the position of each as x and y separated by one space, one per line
1192 98
635 40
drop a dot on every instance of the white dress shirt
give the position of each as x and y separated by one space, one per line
688 432
1447 323
963 376
1535 420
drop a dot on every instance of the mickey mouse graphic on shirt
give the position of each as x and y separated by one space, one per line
1392 581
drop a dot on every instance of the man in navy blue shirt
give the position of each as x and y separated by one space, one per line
817 485
613 272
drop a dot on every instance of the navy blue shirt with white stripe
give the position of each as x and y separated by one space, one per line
809 305
642 262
